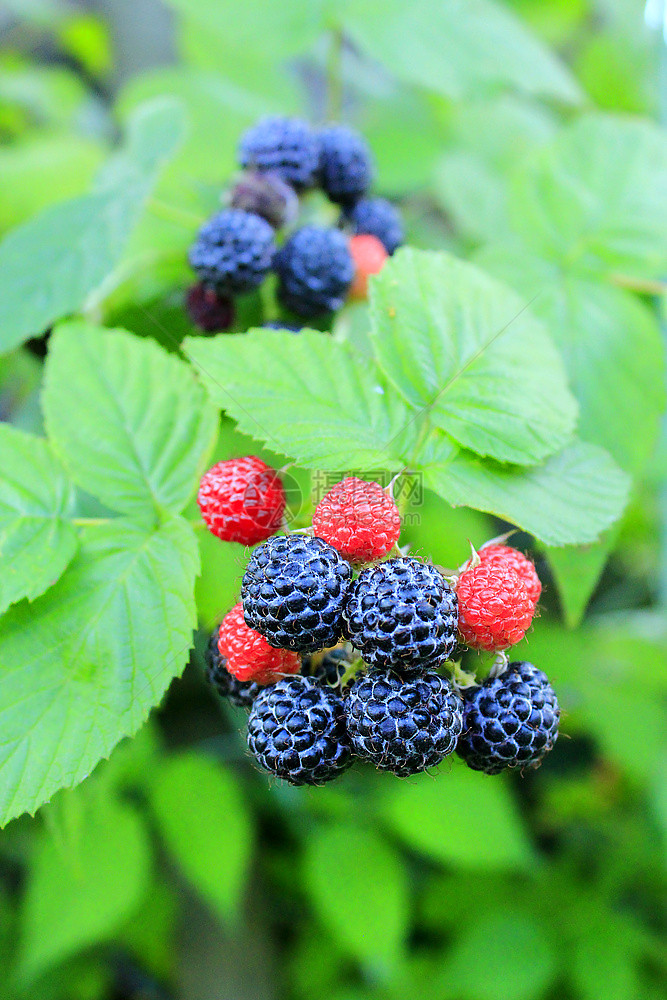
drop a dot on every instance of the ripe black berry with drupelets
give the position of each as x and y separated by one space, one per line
348 648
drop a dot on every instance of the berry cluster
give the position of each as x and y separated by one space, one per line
317 268
343 646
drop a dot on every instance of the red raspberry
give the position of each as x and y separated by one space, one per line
358 519
369 256
494 607
248 655
507 556
242 500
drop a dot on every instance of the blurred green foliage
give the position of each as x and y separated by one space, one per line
175 869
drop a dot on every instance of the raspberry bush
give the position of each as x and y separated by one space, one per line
331 517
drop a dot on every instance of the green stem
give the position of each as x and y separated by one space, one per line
335 75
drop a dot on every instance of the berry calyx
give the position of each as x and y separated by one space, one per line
267 195
293 591
296 730
401 613
247 653
494 607
510 720
358 519
403 725
369 256
242 500
507 556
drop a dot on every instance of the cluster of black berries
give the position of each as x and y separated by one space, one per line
316 267
393 709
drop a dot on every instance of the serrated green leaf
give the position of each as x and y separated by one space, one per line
569 500
613 352
36 498
458 47
597 198
79 892
455 341
358 887
82 666
197 803
462 819
127 418
54 261
305 396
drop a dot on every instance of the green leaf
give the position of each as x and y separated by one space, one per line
569 500
458 47
459 343
462 819
36 499
611 346
597 198
82 666
358 887
516 962
54 261
128 419
83 886
306 396
43 171
613 352
203 818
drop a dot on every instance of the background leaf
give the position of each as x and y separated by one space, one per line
51 263
367 916
204 821
83 886
36 498
127 418
458 820
82 666
455 341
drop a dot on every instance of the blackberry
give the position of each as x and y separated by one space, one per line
293 591
296 730
510 720
275 324
211 312
315 270
233 251
266 195
377 217
403 614
404 726
283 146
345 164
240 693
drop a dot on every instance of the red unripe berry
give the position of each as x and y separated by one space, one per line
358 519
494 607
369 256
507 556
247 654
242 500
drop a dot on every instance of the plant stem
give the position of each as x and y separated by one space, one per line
644 286
335 75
